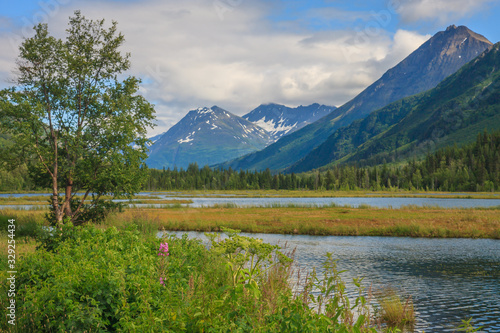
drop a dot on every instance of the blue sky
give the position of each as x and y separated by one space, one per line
238 54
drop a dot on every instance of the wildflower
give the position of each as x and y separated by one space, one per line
163 249
162 282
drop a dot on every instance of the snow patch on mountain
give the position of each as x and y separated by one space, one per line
207 136
275 128
204 110
186 140
280 120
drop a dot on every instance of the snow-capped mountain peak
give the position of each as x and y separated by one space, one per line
207 135
280 120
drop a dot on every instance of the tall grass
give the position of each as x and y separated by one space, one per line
27 226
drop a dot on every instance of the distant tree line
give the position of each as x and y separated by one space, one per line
473 167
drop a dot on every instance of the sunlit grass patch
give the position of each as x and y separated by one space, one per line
285 219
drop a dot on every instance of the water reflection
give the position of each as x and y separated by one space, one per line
354 202
449 279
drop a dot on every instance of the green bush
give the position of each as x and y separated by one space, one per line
89 279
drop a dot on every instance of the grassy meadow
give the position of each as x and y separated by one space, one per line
409 221
341 221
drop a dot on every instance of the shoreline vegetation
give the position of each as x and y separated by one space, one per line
124 279
176 292
102 272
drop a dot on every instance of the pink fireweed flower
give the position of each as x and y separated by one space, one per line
162 282
163 249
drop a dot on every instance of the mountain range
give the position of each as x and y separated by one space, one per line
442 55
214 135
206 136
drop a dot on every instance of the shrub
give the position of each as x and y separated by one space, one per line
89 279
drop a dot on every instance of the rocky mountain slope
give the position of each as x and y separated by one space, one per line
439 57
454 112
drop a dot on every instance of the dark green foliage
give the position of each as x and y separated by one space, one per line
12 177
17 180
474 167
347 139
109 280
94 212
72 119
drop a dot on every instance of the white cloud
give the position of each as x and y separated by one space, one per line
192 53
442 11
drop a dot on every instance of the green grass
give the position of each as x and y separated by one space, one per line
107 276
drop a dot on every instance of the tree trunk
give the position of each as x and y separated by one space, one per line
67 198
55 202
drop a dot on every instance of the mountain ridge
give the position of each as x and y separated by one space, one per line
280 120
459 108
440 56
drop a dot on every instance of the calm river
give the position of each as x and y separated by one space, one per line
354 202
449 279
373 201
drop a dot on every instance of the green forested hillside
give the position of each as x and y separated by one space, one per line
473 167
454 112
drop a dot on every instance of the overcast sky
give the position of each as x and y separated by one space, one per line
238 54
